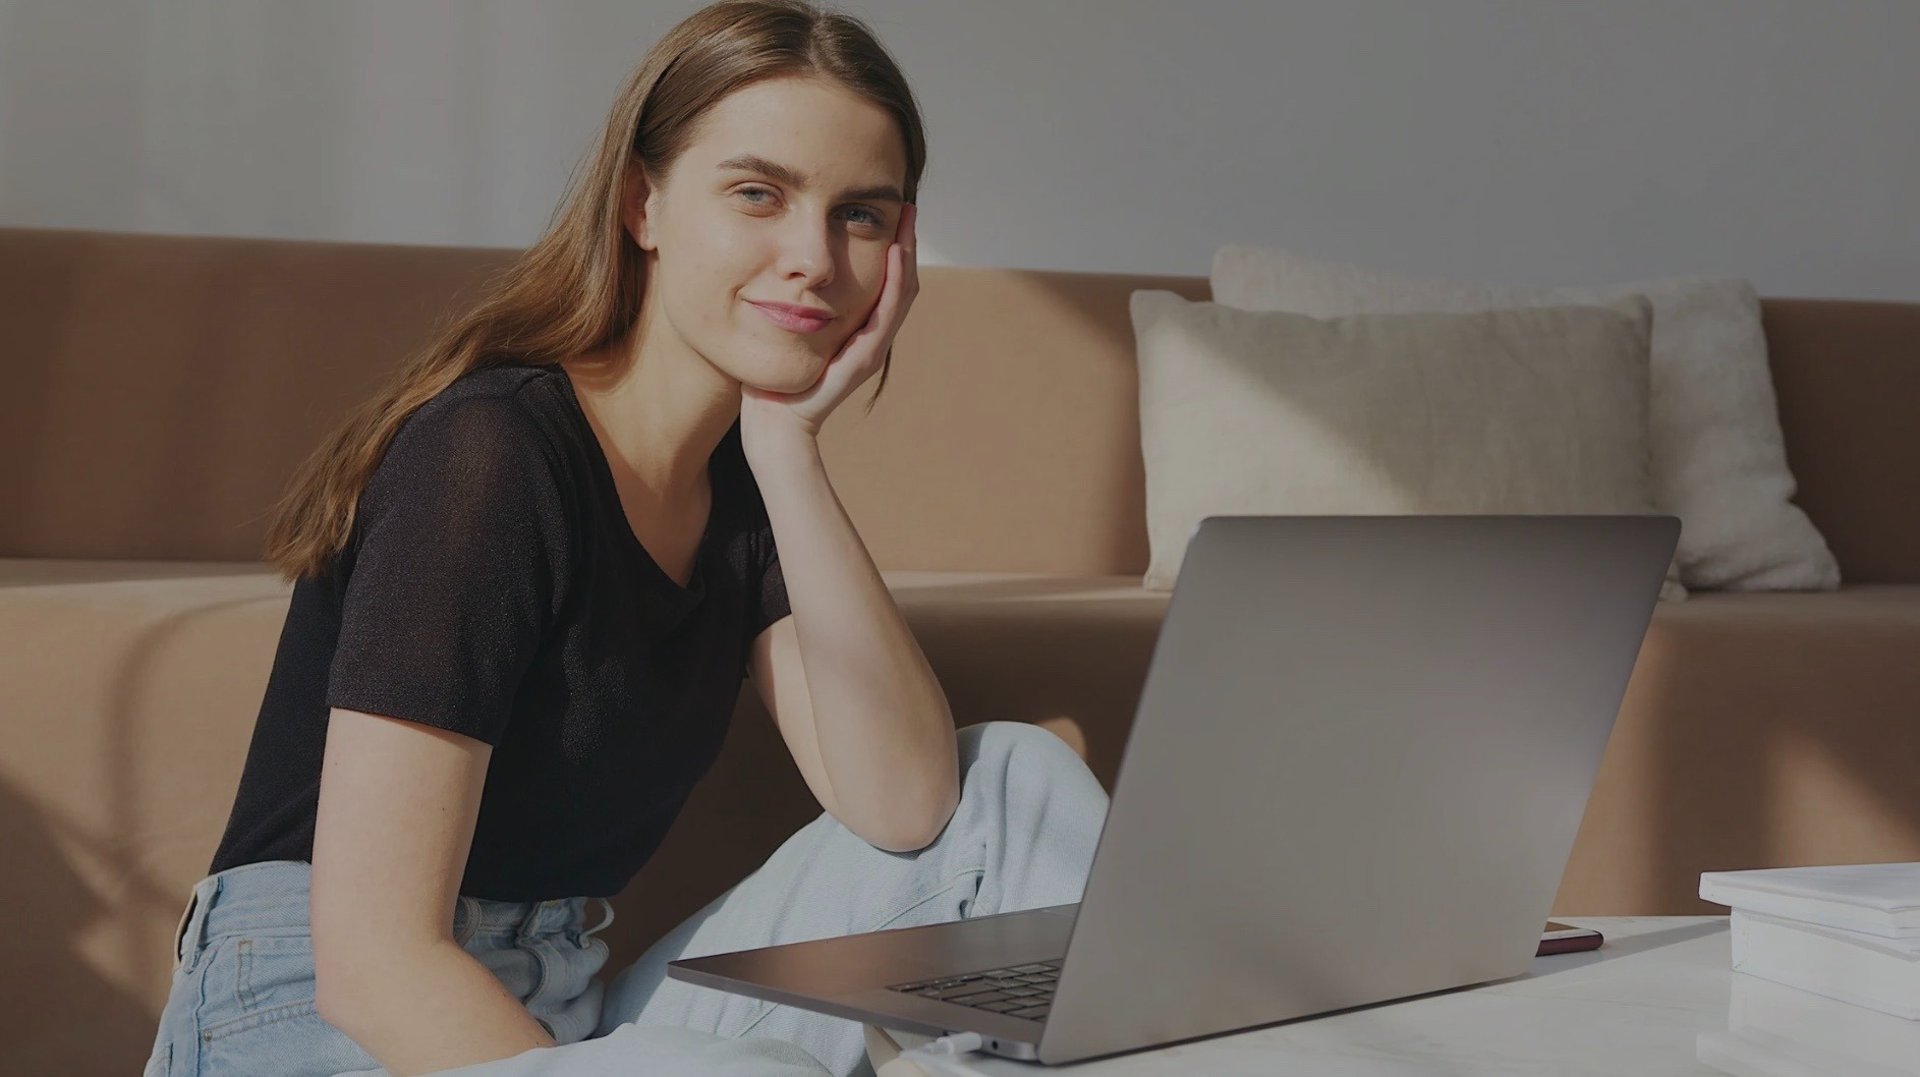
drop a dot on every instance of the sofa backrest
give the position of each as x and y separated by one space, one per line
160 390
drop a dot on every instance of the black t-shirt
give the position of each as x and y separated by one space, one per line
492 586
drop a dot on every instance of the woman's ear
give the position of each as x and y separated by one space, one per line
636 202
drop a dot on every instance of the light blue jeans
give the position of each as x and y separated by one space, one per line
1022 837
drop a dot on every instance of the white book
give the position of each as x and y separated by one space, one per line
1843 965
1882 900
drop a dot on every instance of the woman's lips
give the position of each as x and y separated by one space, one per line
795 322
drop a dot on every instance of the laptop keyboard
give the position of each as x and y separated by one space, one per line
1017 990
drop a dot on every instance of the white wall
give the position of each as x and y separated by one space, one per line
1494 139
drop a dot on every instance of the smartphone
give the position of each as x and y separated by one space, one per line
1566 939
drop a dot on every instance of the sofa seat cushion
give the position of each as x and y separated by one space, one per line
1758 730
1070 652
129 691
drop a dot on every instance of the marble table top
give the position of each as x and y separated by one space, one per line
1658 998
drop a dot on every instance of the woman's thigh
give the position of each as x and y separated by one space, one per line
286 1036
1022 837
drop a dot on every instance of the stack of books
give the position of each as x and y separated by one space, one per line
1849 934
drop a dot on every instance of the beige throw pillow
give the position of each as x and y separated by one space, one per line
1716 455
1537 410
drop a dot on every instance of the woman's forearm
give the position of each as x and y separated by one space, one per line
432 1009
882 721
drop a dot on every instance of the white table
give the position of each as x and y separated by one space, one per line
1658 998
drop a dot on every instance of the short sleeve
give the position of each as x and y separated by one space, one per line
768 593
772 603
463 550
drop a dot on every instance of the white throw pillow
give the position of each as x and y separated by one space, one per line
1717 457
1535 410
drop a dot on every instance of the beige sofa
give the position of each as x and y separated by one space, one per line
156 393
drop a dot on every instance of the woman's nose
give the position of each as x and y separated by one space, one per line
807 247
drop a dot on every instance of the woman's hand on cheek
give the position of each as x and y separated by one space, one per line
766 414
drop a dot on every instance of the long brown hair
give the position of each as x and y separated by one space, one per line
580 285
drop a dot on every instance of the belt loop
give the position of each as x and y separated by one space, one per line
192 921
602 925
472 907
533 917
180 929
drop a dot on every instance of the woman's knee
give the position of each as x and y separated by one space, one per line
1040 808
1022 751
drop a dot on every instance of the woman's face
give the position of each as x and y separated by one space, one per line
806 224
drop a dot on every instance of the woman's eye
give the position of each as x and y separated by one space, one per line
871 219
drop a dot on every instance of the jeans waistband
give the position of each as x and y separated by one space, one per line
273 894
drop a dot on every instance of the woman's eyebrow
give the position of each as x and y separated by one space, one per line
774 170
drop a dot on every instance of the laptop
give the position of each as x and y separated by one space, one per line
1362 750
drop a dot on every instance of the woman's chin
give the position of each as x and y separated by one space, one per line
788 377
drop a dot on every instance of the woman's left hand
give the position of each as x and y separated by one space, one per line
856 361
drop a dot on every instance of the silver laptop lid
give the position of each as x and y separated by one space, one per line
1361 754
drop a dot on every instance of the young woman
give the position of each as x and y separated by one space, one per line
528 580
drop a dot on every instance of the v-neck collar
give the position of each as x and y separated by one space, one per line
696 587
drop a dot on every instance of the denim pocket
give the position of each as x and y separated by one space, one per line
290 1039
253 980
273 1015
